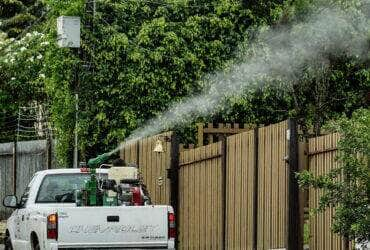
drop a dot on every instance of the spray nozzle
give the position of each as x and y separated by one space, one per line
97 161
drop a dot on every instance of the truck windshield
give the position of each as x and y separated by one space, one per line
60 187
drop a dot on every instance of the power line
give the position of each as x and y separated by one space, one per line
8 122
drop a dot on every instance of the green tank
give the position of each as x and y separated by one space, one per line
89 195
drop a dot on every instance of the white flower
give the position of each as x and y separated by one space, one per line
13 78
6 60
42 75
39 56
12 60
23 49
44 43
28 34
11 39
30 59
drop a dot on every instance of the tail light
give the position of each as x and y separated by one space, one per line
85 170
136 196
52 226
171 225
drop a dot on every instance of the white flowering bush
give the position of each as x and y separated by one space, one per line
22 69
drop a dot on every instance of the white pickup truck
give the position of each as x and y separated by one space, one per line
40 221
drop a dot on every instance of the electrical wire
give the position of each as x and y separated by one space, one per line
8 129
5 122
28 136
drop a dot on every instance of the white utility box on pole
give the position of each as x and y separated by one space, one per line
68 28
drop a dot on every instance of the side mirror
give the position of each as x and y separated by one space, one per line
10 201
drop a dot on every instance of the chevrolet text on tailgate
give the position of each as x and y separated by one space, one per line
64 209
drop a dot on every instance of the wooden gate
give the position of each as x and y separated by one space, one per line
240 191
201 191
273 178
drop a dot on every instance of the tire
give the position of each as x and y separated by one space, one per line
8 244
37 246
35 243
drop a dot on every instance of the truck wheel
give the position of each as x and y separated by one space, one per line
35 242
37 246
8 244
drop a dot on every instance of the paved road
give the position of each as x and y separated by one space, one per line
1 247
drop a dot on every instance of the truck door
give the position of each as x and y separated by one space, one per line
17 226
23 217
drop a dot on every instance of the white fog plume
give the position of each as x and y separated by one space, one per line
284 53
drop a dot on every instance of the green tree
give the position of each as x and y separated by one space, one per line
22 78
144 55
20 61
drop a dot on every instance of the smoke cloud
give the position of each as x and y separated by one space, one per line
278 53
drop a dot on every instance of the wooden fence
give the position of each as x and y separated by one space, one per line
235 194
18 162
322 153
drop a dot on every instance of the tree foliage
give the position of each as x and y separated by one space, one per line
17 15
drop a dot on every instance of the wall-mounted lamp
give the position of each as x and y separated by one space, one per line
159 143
158 146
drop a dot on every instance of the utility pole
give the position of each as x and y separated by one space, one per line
90 7
69 36
75 150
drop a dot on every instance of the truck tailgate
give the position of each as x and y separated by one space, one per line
131 227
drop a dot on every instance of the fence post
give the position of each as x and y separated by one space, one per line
48 152
173 174
200 134
15 167
224 186
138 152
303 194
255 189
294 228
